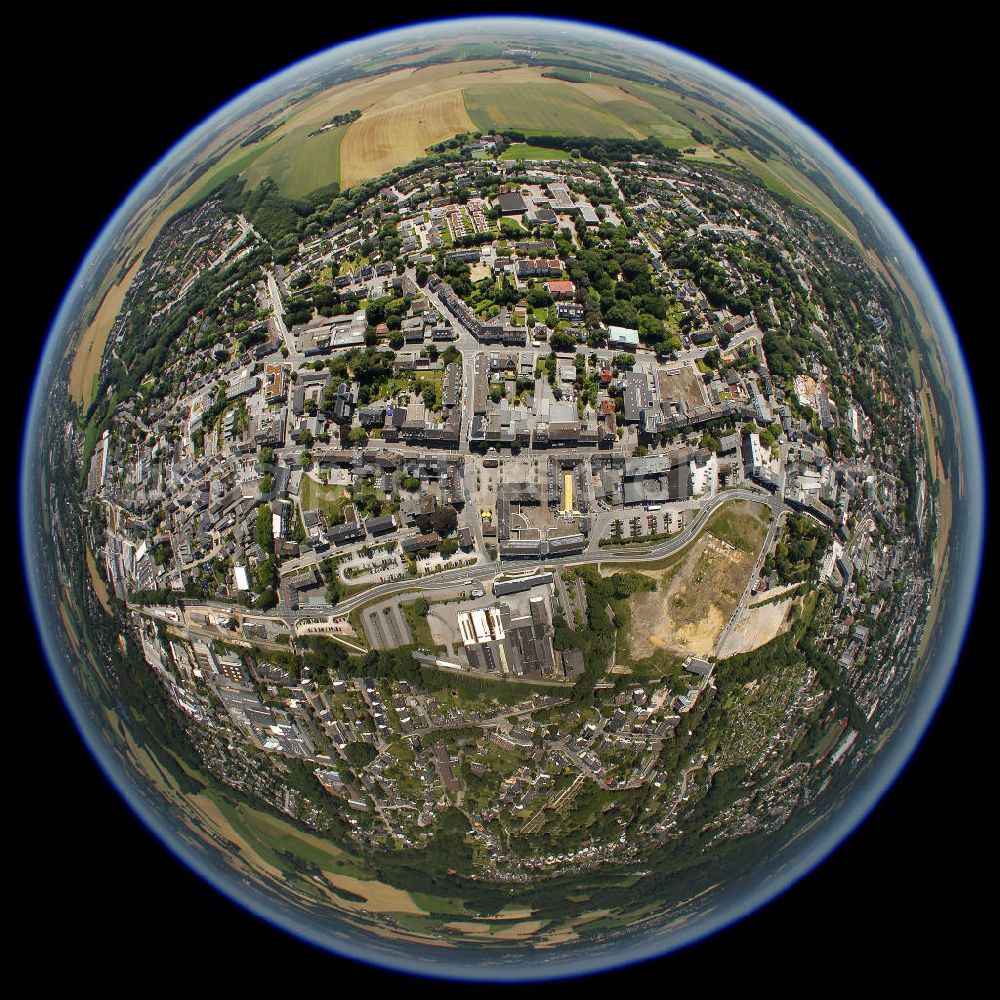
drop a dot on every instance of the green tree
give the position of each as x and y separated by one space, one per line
560 341
359 754
263 534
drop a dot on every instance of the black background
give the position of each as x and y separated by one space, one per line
900 104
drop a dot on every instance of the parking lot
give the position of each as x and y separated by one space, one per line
385 625
638 523
378 566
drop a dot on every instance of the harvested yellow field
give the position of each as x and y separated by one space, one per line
214 817
87 360
439 79
380 93
345 97
379 897
99 585
514 913
468 927
378 142
518 932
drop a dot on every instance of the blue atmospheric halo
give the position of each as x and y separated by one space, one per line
732 902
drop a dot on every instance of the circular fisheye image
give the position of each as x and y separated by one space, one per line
502 499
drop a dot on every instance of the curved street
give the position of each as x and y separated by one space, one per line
593 554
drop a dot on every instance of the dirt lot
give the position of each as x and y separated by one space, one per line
695 596
756 626
682 382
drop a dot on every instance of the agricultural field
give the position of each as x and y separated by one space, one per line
548 107
688 112
785 180
269 844
235 162
406 110
379 141
297 162
86 364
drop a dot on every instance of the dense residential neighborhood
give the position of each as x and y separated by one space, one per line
387 514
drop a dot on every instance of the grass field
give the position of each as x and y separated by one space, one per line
329 499
525 151
739 525
299 163
686 112
229 166
418 626
785 180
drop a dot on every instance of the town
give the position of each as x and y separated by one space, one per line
395 500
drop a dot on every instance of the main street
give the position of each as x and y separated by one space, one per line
594 554
278 311
469 576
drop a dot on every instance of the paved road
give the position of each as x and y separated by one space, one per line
626 554
279 313
488 570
